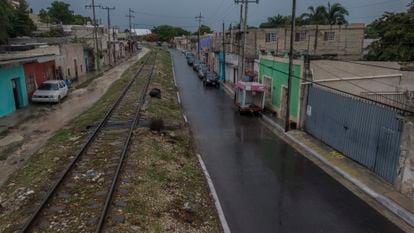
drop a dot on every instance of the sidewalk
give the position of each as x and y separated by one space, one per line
26 130
360 180
34 111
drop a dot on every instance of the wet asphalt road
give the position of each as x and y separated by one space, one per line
263 184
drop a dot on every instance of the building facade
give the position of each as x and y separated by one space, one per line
273 73
321 40
13 93
37 72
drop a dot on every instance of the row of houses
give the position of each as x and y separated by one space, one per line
25 63
362 109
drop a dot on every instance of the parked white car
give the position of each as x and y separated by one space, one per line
52 91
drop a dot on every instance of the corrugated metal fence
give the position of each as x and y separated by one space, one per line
363 131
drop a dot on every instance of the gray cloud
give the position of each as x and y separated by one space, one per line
182 12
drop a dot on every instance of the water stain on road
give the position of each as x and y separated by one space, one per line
264 185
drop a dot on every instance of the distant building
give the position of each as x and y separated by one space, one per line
140 32
13 92
340 41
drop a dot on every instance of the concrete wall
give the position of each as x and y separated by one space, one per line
70 53
277 69
7 101
405 179
41 51
348 41
36 73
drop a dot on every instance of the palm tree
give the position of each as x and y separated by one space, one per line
336 14
316 15
275 21
332 14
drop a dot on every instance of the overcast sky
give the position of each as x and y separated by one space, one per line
182 12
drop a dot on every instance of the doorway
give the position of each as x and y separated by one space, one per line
268 82
76 69
16 93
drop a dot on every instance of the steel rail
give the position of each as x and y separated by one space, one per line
27 226
108 200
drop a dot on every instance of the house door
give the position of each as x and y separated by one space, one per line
15 93
76 68
268 90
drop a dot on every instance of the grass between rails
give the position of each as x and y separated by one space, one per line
167 191
29 183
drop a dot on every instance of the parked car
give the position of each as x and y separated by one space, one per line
190 61
189 54
196 65
211 79
202 70
52 91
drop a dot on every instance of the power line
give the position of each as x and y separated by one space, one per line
198 18
374 4
374 80
363 88
161 15
340 91
216 11
108 9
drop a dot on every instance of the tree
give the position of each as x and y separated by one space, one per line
336 14
275 21
59 12
331 14
44 16
20 22
316 15
395 35
205 29
5 10
167 32
80 20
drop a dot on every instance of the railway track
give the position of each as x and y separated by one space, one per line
81 197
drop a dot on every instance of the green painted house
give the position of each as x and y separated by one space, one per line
13 94
273 73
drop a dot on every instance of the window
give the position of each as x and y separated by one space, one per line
329 36
68 72
300 36
270 37
30 83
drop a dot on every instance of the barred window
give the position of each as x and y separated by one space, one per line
30 83
329 36
270 37
300 36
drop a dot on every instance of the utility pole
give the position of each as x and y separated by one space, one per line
223 66
239 45
108 9
242 54
198 18
292 34
114 46
130 16
231 38
95 31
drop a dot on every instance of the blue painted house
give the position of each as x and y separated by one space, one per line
13 92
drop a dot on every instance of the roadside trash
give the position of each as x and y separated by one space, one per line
155 93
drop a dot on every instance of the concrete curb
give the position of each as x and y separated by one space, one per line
392 206
225 226
398 210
